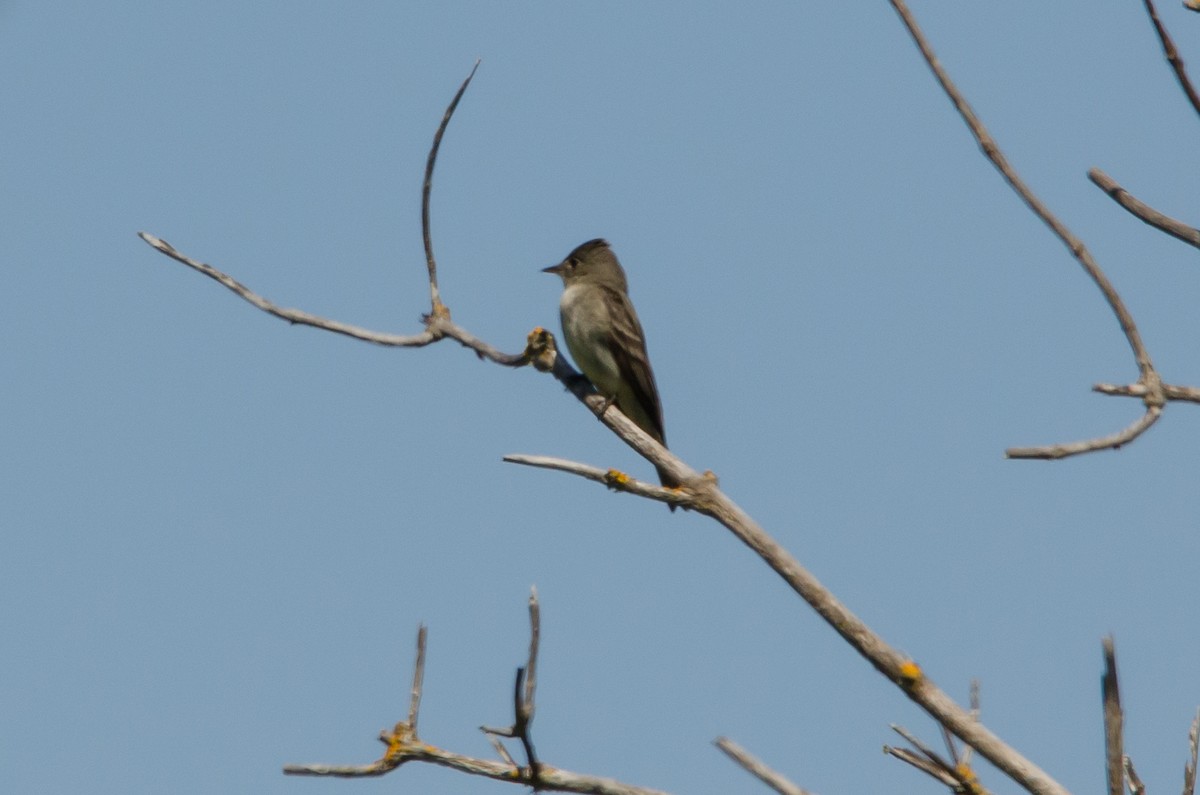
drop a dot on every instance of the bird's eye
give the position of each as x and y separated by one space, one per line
571 263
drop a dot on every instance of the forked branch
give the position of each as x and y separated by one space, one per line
403 745
1147 376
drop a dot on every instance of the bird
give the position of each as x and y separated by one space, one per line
605 338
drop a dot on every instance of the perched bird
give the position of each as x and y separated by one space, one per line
605 338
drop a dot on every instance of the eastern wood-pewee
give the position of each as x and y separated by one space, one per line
605 338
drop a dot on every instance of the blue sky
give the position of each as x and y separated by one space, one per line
221 531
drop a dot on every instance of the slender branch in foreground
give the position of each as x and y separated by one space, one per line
1114 719
1143 211
404 746
1172 55
991 150
755 767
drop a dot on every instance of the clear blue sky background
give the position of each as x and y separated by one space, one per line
220 532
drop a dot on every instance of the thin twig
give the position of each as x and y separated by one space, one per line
922 764
414 704
1172 55
1114 753
1113 441
954 773
500 749
291 315
1189 769
1143 211
1189 394
755 767
614 479
438 308
524 689
1136 786
535 633
991 150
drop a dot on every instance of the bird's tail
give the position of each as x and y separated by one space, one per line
668 482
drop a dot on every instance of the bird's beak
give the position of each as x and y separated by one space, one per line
555 269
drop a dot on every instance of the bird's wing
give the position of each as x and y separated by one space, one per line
629 350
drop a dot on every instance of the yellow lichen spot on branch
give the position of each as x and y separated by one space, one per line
967 776
910 673
616 479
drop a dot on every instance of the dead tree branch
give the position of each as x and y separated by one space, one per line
1147 374
755 767
1189 769
1172 56
403 745
954 772
1143 211
523 695
1114 719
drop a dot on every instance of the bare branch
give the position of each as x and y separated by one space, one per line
1172 55
500 749
953 773
1189 394
438 308
1114 753
991 150
414 705
614 479
1143 211
535 634
404 746
523 695
290 315
1136 787
756 768
551 778
1189 769
1112 442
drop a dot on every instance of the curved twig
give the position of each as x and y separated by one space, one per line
1143 211
438 308
1114 441
1172 55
